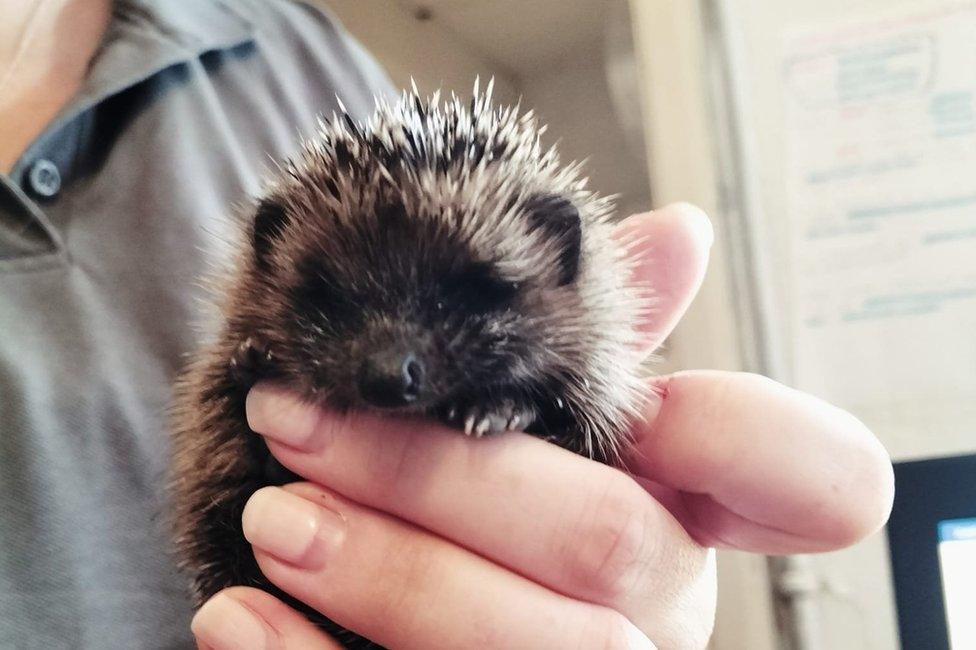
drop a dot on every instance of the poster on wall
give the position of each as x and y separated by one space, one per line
881 139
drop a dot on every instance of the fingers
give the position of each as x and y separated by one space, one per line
403 587
581 528
763 467
242 618
673 245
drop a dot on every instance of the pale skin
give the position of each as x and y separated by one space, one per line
418 537
45 48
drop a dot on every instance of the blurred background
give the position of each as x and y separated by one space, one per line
834 145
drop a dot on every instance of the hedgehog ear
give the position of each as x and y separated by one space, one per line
557 218
269 223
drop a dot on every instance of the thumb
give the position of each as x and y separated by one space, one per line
670 247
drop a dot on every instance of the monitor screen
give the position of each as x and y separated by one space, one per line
932 538
957 562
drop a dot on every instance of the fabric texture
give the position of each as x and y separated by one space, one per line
107 222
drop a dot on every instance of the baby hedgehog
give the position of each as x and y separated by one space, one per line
435 260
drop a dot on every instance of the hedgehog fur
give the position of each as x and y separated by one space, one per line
434 260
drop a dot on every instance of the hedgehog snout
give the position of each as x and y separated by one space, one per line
391 378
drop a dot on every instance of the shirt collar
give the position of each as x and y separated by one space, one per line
145 37
196 25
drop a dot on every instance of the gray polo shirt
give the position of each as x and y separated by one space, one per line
106 223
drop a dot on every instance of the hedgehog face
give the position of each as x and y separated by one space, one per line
435 259
396 310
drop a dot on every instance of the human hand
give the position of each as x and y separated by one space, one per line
415 536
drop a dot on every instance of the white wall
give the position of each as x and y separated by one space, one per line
574 100
407 47
946 424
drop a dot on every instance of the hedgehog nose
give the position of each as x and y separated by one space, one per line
390 379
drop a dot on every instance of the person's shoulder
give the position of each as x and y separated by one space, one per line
311 36
284 16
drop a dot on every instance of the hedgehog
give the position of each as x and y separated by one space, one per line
434 260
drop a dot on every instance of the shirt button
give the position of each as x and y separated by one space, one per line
44 178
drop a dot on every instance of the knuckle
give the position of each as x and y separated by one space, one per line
610 547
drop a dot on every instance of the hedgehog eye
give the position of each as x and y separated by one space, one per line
320 294
480 291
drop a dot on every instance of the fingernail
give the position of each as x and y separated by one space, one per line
292 529
225 624
279 415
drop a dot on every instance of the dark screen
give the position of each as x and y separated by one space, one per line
927 493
